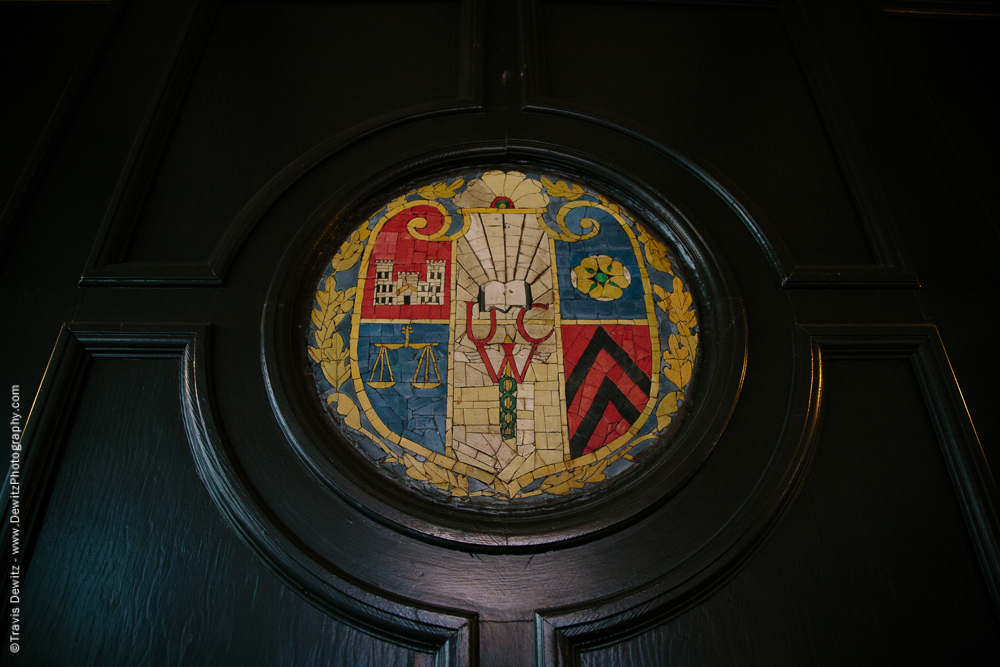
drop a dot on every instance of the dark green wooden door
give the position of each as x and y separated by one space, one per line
169 169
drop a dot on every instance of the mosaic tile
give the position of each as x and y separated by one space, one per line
503 335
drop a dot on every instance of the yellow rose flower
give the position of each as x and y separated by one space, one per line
601 277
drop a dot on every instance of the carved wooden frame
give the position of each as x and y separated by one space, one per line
716 387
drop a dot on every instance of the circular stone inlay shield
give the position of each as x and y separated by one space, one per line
505 335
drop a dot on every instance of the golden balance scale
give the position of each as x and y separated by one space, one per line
426 361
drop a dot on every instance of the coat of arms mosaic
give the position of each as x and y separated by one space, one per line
503 334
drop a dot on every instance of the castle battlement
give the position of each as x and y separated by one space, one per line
405 288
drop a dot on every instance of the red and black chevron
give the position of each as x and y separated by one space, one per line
608 378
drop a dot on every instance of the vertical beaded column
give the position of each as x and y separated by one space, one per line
508 405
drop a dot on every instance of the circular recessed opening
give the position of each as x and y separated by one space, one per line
503 339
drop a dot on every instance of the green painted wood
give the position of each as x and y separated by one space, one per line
845 514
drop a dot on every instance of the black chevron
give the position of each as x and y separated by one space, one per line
602 341
608 392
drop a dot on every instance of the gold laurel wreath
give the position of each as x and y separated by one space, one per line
330 351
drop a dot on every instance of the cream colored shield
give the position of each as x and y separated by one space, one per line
505 403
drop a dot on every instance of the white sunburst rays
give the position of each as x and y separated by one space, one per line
506 247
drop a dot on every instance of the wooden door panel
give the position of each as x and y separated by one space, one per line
42 48
947 79
876 529
841 510
958 72
272 81
134 565
947 231
723 82
214 94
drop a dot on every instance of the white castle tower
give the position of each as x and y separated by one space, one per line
385 288
407 289
431 289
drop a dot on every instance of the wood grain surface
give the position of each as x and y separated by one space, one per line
174 173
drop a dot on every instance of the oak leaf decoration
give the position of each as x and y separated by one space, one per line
678 359
656 252
442 190
562 189
678 305
608 204
666 408
347 409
